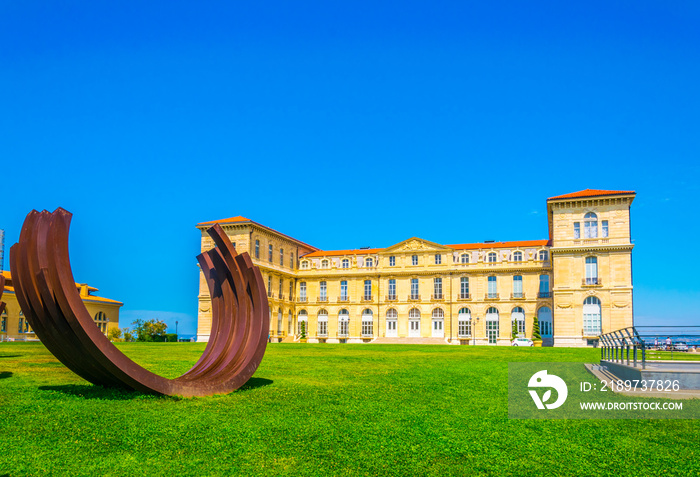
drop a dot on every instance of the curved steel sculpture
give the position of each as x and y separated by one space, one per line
46 291
2 289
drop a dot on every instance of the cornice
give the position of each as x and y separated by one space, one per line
593 248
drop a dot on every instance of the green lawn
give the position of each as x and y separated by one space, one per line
320 410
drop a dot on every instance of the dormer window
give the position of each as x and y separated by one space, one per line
544 255
369 262
491 257
590 225
517 256
325 264
464 258
346 263
305 264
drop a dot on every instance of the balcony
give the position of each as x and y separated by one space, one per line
413 297
491 296
322 299
517 296
464 296
366 298
591 282
343 299
391 298
544 294
302 299
437 296
281 296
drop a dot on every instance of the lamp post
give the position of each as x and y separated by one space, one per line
176 338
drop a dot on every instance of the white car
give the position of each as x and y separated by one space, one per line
522 342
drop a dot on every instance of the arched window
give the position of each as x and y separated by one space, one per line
438 313
101 321
491 257
518 287
518 316
414 314
414 323
392 313
517 256
346 263
590 225
438 324
464 258
343 323
592 316
367 323
369 262
591 270
544 317
322 324
391 322
492 325
302 317
465 322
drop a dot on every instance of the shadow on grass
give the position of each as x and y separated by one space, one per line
9 356
255 383
89 391
4 375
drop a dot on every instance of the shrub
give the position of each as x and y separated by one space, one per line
536 329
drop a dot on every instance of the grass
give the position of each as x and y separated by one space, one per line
319 410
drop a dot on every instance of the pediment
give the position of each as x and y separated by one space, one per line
415 244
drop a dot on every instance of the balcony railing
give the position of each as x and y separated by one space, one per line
491 296
517 296
544 294
322 299
343 299
366 298
464 296
591 282
391 298
281 297
437 296
413 297
302 299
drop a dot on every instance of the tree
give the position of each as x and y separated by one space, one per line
151 330
302 330
536 329
515 329
128 335
114 334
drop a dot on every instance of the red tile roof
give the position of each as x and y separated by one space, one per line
230 220
336 253
240 219
517 244
591 193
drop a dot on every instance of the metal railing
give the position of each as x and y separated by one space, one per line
543 294
591 282
649 343
517 295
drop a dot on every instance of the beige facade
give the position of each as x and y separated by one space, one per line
461 293
14 326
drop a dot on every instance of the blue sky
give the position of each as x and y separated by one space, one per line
346 125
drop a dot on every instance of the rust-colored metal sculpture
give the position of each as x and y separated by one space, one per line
2 289
46 291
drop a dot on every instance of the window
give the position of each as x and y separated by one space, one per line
590 225
604 229
269 285
414 314
414 260
414 289
323 292
544 255
281 257
291 260
392 261
491 257
3 323
257 249
20 328
343 321
303 318
367 323
279 322
517 316
438 313
464 288
281 289
518 286
101 321
438 259
544 317
269 253
368 289
464 258
322 323
591 271
234 245
305 264
391 321
577 230
325 264
492 288
369 262
302 291
437 288
464 327
291 289
346 263
591 316
344 290
392 290
289 322
544 286
517 256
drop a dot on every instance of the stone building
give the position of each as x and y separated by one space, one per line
578 282
14 326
